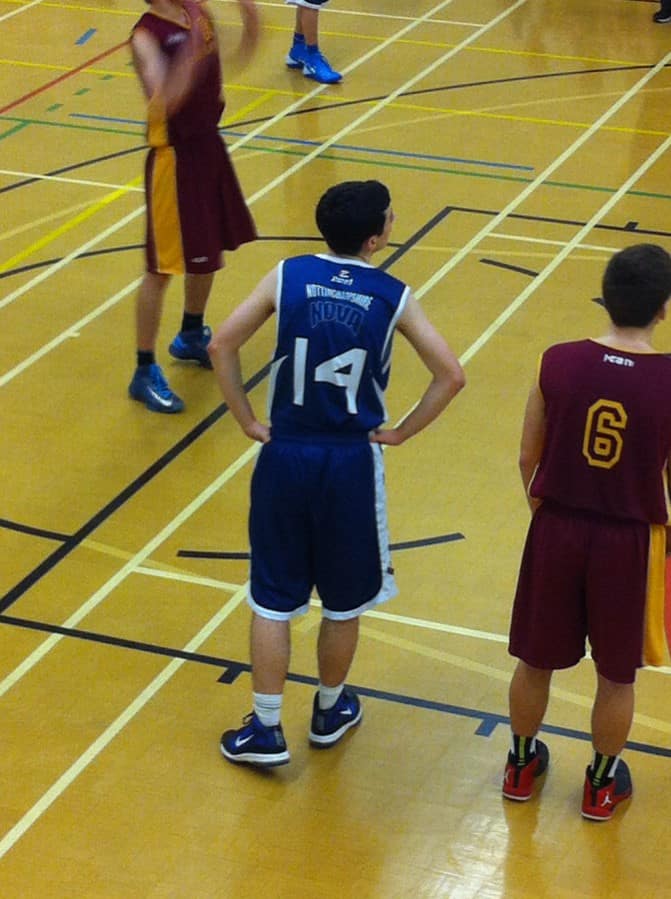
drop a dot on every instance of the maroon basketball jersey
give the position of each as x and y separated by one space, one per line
608 438
202 109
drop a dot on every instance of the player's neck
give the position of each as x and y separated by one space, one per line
636 340
361 257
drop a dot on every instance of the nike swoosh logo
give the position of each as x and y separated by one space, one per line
159 399
346 712
240 741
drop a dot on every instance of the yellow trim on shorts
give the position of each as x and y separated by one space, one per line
654 636
167 228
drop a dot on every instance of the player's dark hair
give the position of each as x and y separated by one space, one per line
636 284
351 212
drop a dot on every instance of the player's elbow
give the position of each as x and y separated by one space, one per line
455 379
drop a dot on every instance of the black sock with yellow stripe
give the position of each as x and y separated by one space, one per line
602 769
523 750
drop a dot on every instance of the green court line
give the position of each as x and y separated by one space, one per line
128 132
357 160
491 176
13 130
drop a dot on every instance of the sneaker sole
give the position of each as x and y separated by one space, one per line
600 818
257 759
165 410
517 797
204 363
312 75
324 741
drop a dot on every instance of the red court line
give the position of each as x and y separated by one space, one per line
60 78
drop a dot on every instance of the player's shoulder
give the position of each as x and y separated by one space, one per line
568 349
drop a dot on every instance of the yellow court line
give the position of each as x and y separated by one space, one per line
439 113
436 113
68 226
249 107
350 35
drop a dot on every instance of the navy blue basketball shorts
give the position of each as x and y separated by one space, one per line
318 519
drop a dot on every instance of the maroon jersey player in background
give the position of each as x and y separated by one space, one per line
195 207
594 458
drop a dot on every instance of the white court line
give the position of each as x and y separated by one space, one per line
543 176
72 331
188 579
21 9
561 243
507 313
372 15
30 661
56 267
85 759
136 560
62 180
58 788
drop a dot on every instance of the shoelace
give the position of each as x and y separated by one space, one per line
160 385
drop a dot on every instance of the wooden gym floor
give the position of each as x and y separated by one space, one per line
523 141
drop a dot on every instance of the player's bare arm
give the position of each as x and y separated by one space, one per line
224 350
165 86
447 375
533 438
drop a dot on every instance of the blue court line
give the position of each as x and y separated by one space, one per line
86 36
313 143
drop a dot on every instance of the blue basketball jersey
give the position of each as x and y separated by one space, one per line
335 323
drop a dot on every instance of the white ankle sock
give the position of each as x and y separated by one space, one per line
268 708
328 696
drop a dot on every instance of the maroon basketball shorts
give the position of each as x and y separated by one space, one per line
195 207
582 576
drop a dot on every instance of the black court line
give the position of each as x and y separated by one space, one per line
401 249
490 82
33 532
510 268
325 107
233 668
73 167
395 547
94 254
74 540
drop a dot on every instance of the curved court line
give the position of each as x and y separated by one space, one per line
72 773
133 563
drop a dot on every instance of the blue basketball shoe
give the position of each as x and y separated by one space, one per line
191 346
329 725
313 62
317 67
255 744
295 58
150 387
